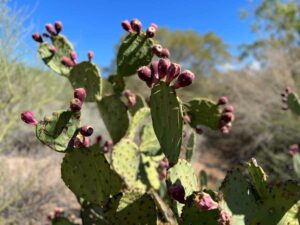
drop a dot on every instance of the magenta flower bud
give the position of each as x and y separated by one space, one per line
154 72
205 202
86 142
50 29
224 218
98 139
294 149
224 130
184 79
157 49
80 93
186 119
136 25
76 105
128 93
173 72
199 130
164 163
107 146
67 62
151 31
144 73
227 117
165 53
163 174
154 25
163 66
223 100
90 56
131 100
87 130
177 192
229 108
58 26
126 26
73 56
52 49
37 37
28 117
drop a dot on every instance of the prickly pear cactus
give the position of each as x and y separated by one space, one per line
87 75
58 130
166 113
87 173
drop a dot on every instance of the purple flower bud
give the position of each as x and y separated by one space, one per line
224 218
163 66
37 37
223 100
177 192
136 25
87 130
67 62
151 31
164 163
184 79
50 29
154 25
173 72
73 56
205 202
58 26
90 56
186 119
128 93
156 49
131 100
52 49
165 53
76 105
154 72
126 26
86 142
28 117
80 93
227 117
294 149
224 130
163 174
229 108
144 73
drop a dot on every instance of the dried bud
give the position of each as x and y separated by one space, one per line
184 79
28 117
90 56
37 37
163 66
229 108
154 25
80 93
67 62
73 56
58 26
144 73
294 149
165 53
126 26
223 100
136 25
224 218
156 49
205 202
76 105
50 29
173 72
177 192
186 119
52 49
151 31
87 130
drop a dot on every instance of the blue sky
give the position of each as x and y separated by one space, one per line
95 25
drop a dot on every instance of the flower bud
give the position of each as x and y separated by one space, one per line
177 192
154 72
58 212
80 93
67 62
128 93
184 79
165 53
229 108
186 119
154 25
294 149
73 56
107 146
78 141
156 49
227 117
223 100
224 218
164 163
76 105
87 130
173 72
28 117
136 25
163 174
131 100
163 66
50 29
126 26
205 202
52 49
86 142
224 130
151 31
37 37
58 26
144 73
90 56
288 90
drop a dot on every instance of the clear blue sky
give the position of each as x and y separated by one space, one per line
95 24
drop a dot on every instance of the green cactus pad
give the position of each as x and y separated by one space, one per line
294 103
166 113
150 166
87 75
204 112
239 198
134 52
87 173
58 130
137 121
117 82
149 143
296 164
140 103
126 162
191 144
258 178
93 214
62 221
114 115
182 173
64 48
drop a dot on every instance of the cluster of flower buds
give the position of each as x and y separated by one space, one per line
28 117
163 168
294 149
167 71
205 202
284 97
227 115
131 98
58 212
136 26
177 192
224 218
77 101
52 31
160 52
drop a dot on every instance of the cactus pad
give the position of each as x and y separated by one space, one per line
296 164
204 112
150 167
58 130
87 173
294 103
115 116
149 143
140 103
62 221
53 60
191 144
87 75
134 52
117 82
166 113
137 121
